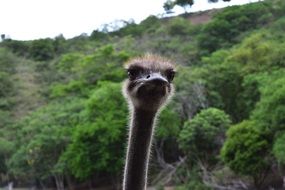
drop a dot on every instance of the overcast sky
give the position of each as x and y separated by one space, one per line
32 19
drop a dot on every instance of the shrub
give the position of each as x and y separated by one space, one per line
246 151
203 136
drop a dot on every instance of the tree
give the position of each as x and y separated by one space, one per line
225 27
224 87
6 149
42 50
3 37
279 149
59 44
98 143
184 3
169 4
42 137
98 35
203 136
270 110
279 153
190 96
107 61
179 26
246 151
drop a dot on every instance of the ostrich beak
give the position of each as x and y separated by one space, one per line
154 86
156 79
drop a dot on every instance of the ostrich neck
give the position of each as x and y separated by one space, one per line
140 137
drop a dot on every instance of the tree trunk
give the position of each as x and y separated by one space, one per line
69 183
59 182
10 186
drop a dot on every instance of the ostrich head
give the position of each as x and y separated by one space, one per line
149 84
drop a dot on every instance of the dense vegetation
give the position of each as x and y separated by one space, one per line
63 119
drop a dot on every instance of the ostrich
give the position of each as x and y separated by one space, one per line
147 90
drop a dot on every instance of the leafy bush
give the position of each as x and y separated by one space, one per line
18 47
246 151
99 142
203 136
270 110
42 137
42 50
279 149
179 26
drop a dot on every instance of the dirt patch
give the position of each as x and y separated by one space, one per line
201 17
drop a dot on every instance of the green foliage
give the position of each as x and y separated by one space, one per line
5 85
184 3
42 50
279 149
246 150
259 52
72 88
7 90
18 164
168 5
42 137
6 148
179 26
224 82
150 24
270 110
203 136
231 74
131 28
98 35
69 62
17 47
190 96
226 26
99 142
234 63
81 72
40 156
168 123
278 7
59 44
147 26
195 185
7 61
192 179
105 60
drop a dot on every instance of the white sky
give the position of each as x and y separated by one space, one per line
32 19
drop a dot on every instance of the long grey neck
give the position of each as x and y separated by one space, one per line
140 137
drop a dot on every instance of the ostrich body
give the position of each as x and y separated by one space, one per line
147 89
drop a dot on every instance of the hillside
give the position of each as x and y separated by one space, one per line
201 17
63 118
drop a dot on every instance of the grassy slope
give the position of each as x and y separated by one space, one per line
27 97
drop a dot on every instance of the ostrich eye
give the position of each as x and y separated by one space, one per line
133 73
170 75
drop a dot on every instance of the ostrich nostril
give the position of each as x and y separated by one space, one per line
147 76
